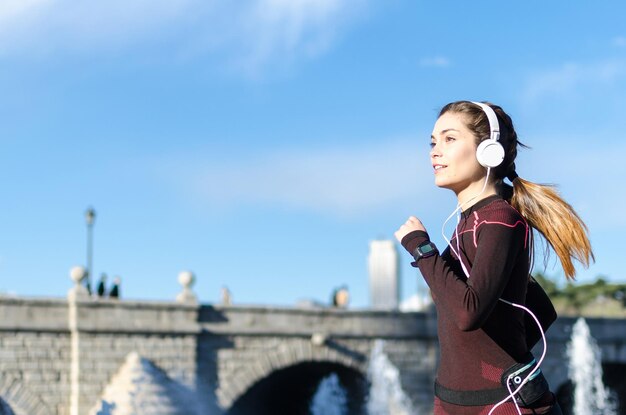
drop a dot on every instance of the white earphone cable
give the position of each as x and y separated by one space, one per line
511 395
456 230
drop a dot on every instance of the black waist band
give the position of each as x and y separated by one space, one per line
534 388
470 398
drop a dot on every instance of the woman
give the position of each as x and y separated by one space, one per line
481 278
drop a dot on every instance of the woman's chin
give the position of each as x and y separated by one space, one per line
442 183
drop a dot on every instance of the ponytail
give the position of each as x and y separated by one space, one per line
555 220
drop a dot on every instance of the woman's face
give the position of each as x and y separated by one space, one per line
453 155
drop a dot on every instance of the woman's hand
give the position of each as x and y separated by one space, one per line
411 224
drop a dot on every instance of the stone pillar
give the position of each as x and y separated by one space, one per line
76 293
186 279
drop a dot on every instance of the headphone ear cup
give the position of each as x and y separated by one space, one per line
490 153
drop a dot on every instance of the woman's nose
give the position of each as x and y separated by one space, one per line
435 151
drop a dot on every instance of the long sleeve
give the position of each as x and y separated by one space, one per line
489 250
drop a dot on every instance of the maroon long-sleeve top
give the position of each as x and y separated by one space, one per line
479 336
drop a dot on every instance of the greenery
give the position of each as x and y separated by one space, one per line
596 299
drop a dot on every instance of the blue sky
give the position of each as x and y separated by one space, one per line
262 144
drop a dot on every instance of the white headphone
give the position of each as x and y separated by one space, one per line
490 152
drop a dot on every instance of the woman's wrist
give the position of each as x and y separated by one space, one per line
413 239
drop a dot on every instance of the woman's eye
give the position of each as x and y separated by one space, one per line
448 138
432 144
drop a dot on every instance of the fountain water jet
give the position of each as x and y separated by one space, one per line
386 396
585 370
331 397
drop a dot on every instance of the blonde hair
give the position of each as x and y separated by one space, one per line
540 204
556 220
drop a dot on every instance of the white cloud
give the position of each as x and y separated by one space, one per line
337 180
248 33
272 28
340 180
50 25
435 61
569 78
15 9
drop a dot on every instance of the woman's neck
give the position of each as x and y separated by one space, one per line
471 195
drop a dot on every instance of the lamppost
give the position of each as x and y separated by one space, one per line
90 218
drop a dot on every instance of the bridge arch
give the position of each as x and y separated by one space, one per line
291 389
291 354
15 399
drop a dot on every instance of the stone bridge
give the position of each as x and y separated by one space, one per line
61 356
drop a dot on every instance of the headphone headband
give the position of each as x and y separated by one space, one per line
494 126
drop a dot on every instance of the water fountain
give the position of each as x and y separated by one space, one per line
140 386
330 398
591 397
386 396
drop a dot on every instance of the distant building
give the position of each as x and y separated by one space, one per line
384 279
